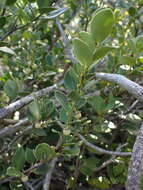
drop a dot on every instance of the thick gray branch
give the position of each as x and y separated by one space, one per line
24 101
135 172
132 87
101 150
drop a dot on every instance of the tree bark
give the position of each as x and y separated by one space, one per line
135 171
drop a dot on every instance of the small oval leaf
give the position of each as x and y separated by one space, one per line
18 159
82 52
62 99
11 89
101 24
44 151
87 38
70 81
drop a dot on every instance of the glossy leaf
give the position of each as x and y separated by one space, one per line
82 52
101 24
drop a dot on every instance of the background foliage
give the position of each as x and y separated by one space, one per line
105 36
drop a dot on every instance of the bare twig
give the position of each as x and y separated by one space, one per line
132 106
135 171
24 101
101 150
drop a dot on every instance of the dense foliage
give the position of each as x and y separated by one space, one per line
61 45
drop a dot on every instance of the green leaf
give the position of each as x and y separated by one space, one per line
2 21
43 169
34 111
98 104
46 107
18 159
102 51
10 2
70 81
119 169
43 5
101 24
102 183
62 99
63 115
87 38
80 103
39 132
82 52
139 44
72 150
11 89
29 156
7 50
11 171
31 1
89 165
127 60
54 14
44 151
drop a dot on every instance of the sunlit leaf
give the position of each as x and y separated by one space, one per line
101 24
82 52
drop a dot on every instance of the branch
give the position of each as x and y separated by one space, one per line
65 41
24 101
133 88
103 151
48 176
135 171
13 128
111 160
14 28
28 185
46 184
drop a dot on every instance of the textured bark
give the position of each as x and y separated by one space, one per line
135 171
133 88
